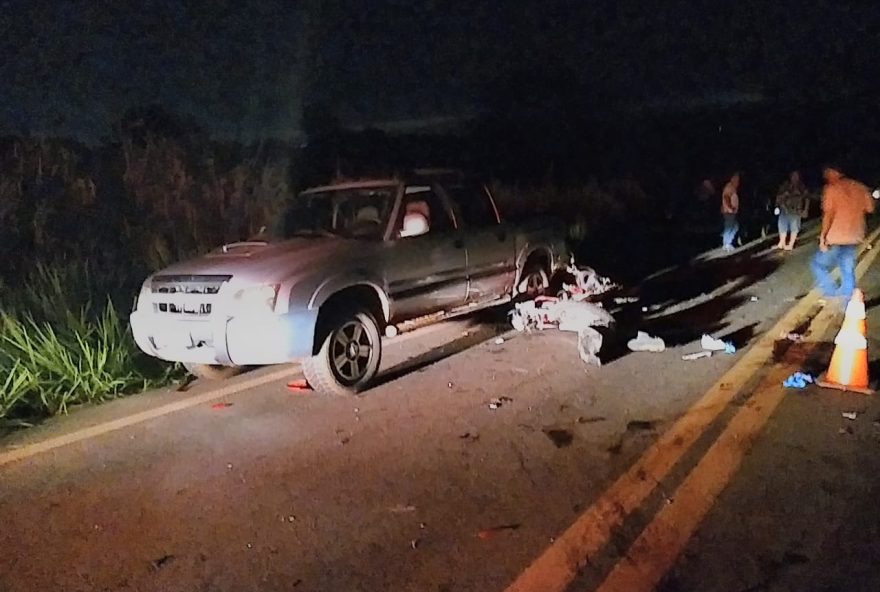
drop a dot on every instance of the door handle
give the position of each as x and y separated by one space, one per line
458 243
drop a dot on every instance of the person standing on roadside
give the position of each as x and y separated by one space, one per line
792 204
729 211
845 202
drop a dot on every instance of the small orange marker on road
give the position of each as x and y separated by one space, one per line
848 370
299 385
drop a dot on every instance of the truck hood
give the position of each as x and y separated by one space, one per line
254 262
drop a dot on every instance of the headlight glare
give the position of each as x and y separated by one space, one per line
256 298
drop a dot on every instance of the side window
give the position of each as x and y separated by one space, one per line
423 212
474 204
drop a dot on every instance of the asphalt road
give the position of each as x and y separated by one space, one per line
420 485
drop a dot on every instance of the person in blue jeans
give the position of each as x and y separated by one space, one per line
845 203
729 210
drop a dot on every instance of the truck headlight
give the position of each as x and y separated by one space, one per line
255 299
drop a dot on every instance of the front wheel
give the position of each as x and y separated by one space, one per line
349 356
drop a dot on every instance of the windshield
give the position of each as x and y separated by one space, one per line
350 213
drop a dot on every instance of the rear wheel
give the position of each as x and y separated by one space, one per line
349 355
534 281
212 371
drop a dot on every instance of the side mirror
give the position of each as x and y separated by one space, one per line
414 224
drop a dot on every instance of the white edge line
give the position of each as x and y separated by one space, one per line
29 450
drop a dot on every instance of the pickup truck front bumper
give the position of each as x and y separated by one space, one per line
247 340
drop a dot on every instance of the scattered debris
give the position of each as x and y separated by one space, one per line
473 437
498 402
644 342
345 441
221 405
639 425
845 430
299 385
291 518
499 341
566 315
850 415
560 438
696 356
449 385
495 530
709 343
162 561
754 299
798 380
587 283
593 419
422 526
626 300
414 544
250 546
402 509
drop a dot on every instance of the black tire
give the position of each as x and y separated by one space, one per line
349 355
533 282
212 371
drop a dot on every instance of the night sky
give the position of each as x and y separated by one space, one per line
245 69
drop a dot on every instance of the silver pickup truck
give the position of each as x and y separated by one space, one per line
345 264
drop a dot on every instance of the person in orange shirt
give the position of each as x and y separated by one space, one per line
729 210
845 202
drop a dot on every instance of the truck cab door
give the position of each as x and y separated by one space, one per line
426 261
491 251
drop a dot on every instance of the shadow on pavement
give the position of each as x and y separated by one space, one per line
448 349
678 307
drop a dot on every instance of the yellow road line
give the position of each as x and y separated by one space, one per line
29 450
654 552
557 566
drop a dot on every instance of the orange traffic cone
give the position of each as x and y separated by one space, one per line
848 370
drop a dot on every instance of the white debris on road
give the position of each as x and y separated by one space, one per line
576 316
696 356
587 283
709 343
644 342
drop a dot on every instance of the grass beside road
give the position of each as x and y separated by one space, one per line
58 348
